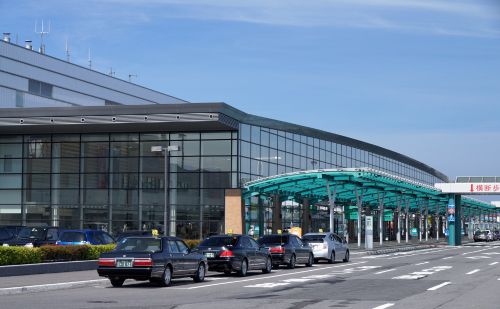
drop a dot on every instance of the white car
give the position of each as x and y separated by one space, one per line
327 246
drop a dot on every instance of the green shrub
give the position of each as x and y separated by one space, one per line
19 255
63 253
93 252
192 242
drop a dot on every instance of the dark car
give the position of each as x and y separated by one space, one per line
287 249
13 229
157 259
84 237
239 253
35 236
131 233
5 236
496 235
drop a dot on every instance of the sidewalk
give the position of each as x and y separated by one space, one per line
394 246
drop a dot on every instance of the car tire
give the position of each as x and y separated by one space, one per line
199 276
316 261
166 278
310 261
291 263
346 257
269 266
331 259
243 268
117 282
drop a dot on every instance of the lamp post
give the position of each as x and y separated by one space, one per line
166 205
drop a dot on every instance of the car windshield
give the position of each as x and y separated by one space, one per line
225 241
72 237
31 232
273 239
313 238
139 245
481 232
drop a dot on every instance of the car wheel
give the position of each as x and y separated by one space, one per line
310 261
269 266
292 262
200 273
331 260
243 268
166 278
316 261
117 282
346 258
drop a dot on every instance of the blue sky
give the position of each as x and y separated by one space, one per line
420 77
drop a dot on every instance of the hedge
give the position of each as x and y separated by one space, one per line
24 255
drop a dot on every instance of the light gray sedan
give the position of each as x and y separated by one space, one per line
327 246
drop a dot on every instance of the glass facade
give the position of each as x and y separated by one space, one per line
266 152
114 181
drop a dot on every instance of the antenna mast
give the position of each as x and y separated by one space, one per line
42 33
90 61
67 50
130 77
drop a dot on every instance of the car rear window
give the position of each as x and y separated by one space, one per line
139 245
5 234
72 237
273 239
31 232
313 238
219 241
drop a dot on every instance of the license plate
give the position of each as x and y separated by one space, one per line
124 263
209 254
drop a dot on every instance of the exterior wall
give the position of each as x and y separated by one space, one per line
67 84
233 213
113 181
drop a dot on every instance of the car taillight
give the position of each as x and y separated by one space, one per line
143 262
277 250
226 253
106 262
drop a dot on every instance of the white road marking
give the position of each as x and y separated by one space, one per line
297 280
410 277
385 271
492 253
448 257
384 306
480 257
472 271
265 277
494 263
54 284
438 286
267 285
422 263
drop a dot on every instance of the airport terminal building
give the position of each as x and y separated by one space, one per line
76 152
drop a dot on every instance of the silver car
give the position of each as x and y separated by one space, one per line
327 246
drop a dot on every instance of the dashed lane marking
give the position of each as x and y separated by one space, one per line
422 263
494 263
385 271
448 257
384 306
265 277
438 286
423 273
267 285
472 271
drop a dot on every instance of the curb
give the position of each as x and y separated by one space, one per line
45 268
51 287
401 249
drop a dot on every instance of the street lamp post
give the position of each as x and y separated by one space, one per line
166 205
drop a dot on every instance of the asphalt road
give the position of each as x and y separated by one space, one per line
445 277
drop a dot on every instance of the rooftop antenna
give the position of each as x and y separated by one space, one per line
130 77
67 50
111 72
42 33
90 61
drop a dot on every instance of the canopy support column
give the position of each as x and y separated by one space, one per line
437 221
426 220
398 235
331 202
381 216
420 215
359 204
407 211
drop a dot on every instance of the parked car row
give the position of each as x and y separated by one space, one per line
486 235
46 235
159 259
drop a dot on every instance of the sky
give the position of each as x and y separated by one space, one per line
420 77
